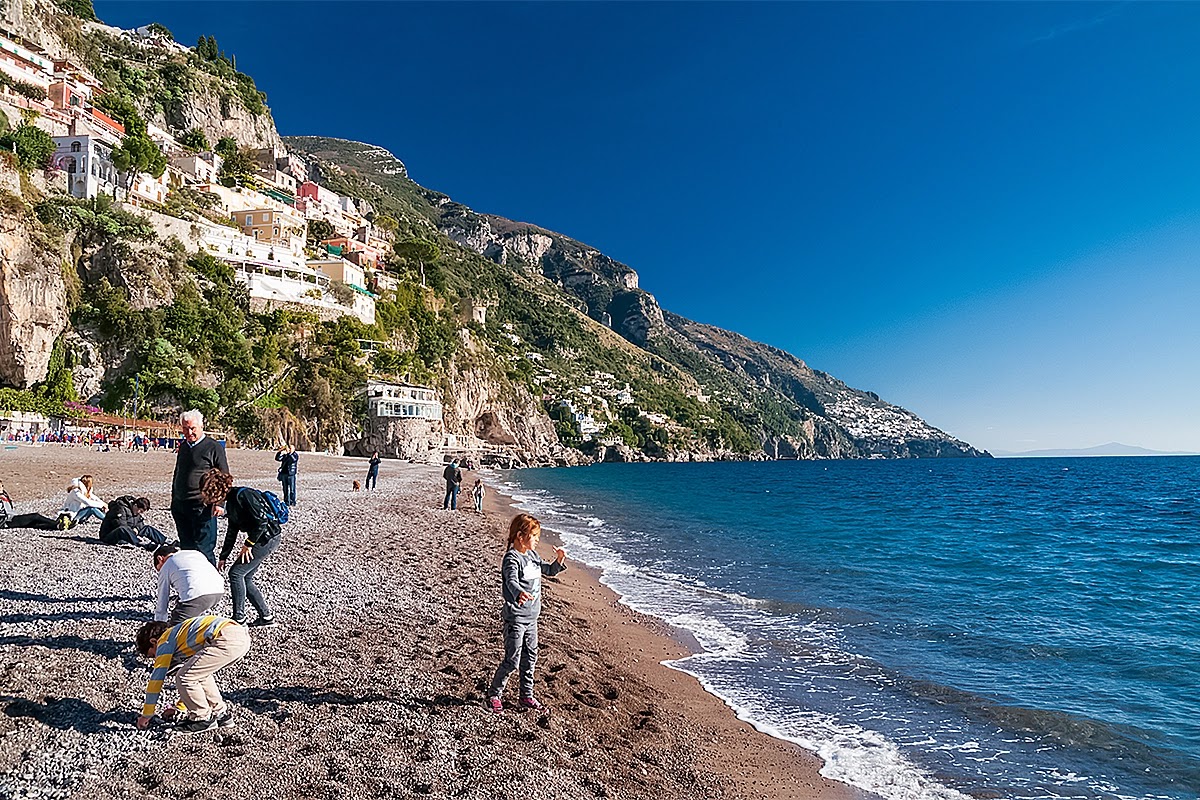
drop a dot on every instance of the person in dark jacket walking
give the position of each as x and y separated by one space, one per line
124 523
373 471
453 476
197 455
247 511
288 460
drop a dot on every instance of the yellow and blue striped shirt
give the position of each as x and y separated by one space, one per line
182 641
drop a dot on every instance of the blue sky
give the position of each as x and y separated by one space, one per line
986 213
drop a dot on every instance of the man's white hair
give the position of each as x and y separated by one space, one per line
194 416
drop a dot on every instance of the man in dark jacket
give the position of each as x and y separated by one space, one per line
453 477
197 455
288 460
124 523
10 520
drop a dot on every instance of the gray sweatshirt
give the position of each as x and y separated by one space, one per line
522 572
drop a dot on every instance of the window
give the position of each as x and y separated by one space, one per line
75 147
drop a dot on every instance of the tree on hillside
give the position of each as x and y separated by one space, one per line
137 154
226 147
194 140
237 167
418 252
386 223
318 231
31 146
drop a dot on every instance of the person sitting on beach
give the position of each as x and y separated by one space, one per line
202 645
189 576
81 504
521 577
247 510
8 519
123 524
477 495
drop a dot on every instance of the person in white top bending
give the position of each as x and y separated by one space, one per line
191 578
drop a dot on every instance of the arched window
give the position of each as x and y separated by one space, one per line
75 147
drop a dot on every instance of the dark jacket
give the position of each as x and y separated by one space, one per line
120 515
191 462
374 466
247 510
452 474
287 463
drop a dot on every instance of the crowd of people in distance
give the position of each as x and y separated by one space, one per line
187 638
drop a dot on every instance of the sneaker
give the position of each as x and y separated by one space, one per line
531 703
493 704
197 725
262 622
226 720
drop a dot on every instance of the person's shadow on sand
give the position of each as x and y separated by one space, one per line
108 648
267 700
63 713
72 615
28 597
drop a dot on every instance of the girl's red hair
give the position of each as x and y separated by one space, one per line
523 526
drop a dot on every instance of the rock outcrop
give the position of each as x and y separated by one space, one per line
33 297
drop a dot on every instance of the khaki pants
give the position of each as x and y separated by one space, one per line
196 681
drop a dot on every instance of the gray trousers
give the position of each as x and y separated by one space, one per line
241 581
196 607
520 650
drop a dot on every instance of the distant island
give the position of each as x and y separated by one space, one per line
1110 449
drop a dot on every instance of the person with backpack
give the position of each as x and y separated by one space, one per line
123 523
453 476
253 512
288 460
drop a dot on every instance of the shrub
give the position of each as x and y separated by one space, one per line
32 146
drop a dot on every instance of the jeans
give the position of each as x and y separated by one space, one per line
451 500
88 512
241 581
197 528
289 489
372 477
520 650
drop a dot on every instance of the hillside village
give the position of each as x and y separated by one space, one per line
522 346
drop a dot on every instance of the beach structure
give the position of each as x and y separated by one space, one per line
404 420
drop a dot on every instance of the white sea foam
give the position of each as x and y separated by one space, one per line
851 754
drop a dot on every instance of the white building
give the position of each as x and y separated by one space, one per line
402 400
87 160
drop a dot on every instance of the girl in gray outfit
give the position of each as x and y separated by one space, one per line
521 574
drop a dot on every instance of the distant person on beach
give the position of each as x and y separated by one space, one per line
81 503
8 519
453 476
373 470
124 524
197 455
477 495
202 645
288 460
186 574
249 511
521 577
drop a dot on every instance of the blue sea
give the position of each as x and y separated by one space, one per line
1018 628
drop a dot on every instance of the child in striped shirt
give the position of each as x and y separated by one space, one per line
203 645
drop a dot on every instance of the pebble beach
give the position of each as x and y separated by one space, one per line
372 684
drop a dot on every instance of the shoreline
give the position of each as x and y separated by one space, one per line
739 749
372 685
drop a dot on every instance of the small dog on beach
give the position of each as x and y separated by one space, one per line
357 486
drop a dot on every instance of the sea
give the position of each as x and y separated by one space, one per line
935 629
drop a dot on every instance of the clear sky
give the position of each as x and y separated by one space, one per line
986 213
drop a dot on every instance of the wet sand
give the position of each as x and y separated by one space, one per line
372 685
